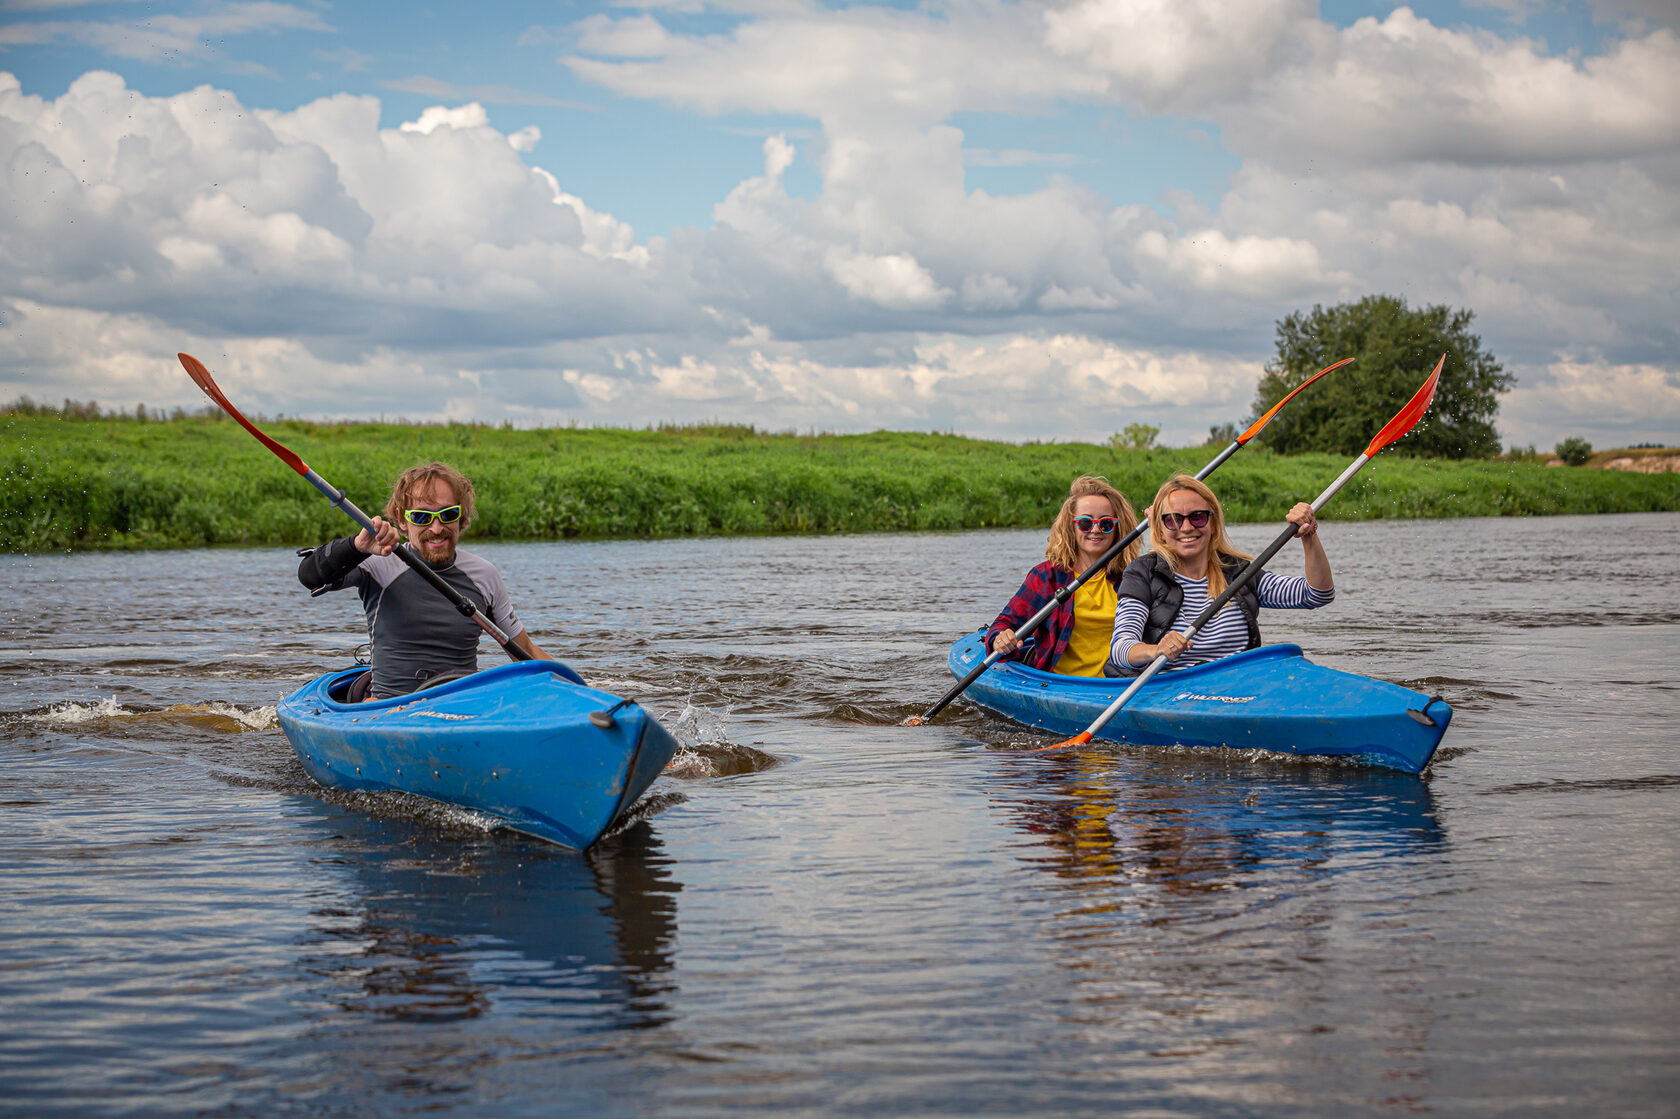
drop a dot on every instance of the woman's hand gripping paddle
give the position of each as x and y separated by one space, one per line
1403 422
405 552
1118 546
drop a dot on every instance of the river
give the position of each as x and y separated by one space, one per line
819 911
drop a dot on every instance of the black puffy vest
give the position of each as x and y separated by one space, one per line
1149 579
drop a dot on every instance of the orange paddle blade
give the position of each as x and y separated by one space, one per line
1079 739
1254 428
913 721
201 377
1407 417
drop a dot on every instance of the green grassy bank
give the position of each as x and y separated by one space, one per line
70 483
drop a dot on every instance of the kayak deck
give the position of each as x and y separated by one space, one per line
1271 698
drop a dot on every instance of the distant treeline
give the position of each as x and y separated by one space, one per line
78 480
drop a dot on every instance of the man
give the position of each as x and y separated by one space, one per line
416 632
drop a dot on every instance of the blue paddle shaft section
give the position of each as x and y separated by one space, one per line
1271 698
514 742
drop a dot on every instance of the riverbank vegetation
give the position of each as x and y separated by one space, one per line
104 481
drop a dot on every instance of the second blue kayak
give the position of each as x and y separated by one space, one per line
528 743
1271 698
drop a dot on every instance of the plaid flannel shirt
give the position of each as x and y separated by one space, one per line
1050 640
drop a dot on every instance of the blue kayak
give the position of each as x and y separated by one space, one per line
1270 698
516 742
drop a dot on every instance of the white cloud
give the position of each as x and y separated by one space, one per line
894 281
1248 265
161 38
894 295
441 116
853 64
1609 405
526 139
1181 54
1403 89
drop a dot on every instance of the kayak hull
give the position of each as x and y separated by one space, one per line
514 742
1271 698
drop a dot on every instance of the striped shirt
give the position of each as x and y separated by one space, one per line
1227 631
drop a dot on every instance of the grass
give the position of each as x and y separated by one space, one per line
69 482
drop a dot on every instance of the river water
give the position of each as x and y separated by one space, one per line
820 911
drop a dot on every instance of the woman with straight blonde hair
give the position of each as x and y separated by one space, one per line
1074 640
1189 564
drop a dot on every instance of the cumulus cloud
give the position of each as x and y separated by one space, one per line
430 263
1401 90
1175 55
1609 405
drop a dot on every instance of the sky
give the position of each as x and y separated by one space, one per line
1021 221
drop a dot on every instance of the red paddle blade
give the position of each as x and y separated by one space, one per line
201 377
1407 417
913 721
1254 428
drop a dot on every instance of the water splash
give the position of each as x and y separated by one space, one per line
706 750
216 716
700 726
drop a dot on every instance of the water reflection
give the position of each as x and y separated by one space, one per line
1216 915
436 928
1110 821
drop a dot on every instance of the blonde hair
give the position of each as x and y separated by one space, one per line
1062 546
1219 547
418 479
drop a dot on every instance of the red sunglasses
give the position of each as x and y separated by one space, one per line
1104 525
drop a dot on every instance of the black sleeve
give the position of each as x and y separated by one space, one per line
326 566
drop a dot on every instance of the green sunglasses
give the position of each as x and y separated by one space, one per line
423 517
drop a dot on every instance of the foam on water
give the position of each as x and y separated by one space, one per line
76 714
706 750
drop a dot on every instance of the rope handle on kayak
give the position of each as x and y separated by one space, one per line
1422 713
604 719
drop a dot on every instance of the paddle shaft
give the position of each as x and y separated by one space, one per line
405 552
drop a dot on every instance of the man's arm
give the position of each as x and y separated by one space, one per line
328 565
524 642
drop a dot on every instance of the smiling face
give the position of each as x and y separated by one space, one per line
1187 542
1093 544
435 542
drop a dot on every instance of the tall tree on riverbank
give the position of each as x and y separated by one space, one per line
1394 345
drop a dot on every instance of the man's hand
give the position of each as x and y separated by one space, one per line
379 542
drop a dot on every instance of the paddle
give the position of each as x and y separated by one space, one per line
1107 557
1403 422
404 551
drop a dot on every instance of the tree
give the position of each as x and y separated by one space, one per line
1394 346
1138 437
1574 451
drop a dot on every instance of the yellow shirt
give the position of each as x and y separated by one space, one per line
1094 605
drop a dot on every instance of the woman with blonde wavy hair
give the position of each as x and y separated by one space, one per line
1074 639
1189 564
